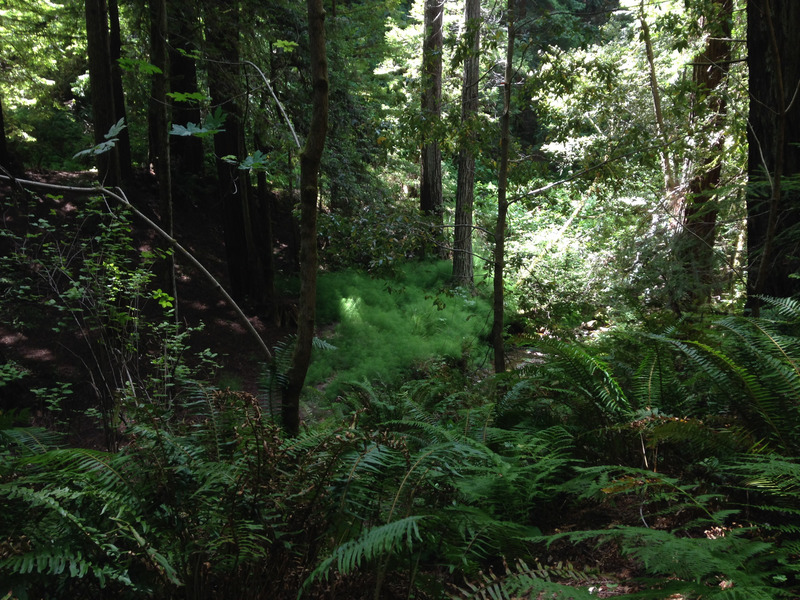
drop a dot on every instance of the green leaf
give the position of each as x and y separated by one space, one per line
140 65
188 96
286 45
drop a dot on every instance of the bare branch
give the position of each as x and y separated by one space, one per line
120 197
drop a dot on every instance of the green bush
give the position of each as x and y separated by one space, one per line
46 137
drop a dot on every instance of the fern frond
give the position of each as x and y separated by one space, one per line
733 381
523 581
788 308
29 441
588 375
379 541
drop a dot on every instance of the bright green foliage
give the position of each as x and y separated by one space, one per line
42 53
384 328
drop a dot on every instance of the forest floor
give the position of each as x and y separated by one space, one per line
52 358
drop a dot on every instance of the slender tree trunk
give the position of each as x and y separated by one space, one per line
6 160
159 119
773 206
463 265
430 194
100 79
310 159
700 215
666 163
498 300
115 46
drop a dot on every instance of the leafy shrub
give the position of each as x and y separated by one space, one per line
79 274
377 238
46 137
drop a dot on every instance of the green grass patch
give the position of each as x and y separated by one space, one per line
384 328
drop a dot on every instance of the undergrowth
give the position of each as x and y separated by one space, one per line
572 473
669 457
382 328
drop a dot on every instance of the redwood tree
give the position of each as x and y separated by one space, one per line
5 156
222 24
773 197
498 300
98 47
700 210
184 33
430 193
463 269
120 112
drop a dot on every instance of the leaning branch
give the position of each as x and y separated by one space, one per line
119 196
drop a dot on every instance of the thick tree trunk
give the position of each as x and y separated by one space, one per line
430 194
696 245
773 204
5 157
224 75
310 159
463 265
498 300
100 85
187 151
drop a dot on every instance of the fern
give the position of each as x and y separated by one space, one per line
379 541
570 370
523 581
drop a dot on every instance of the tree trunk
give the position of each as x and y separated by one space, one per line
463 269
187 151
115 47
310 159
696 244
773 206
498 300
224 76
100 79
666 164
430 194
6 160
158 122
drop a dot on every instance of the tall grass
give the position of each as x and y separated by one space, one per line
385 328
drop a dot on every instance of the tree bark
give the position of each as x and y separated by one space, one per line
430 194
498 300
100 86
120 112
158 123
463 265
310 159
700 214
224 75
186 151
773 203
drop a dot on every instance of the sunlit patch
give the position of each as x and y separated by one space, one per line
351 309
